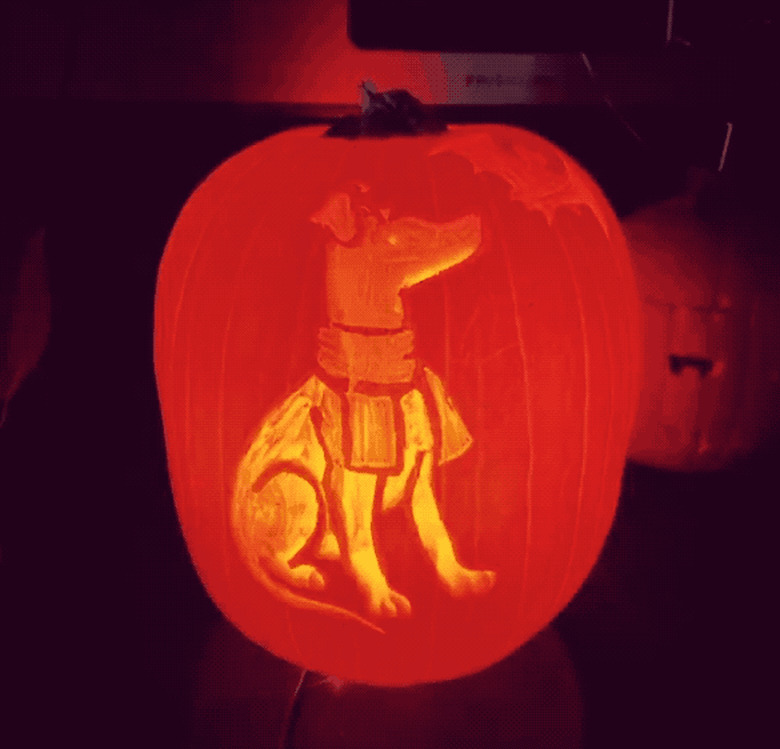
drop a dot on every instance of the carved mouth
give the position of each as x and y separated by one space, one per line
701 364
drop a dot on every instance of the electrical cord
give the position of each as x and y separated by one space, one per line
291 714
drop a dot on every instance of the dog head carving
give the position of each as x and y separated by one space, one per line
372 257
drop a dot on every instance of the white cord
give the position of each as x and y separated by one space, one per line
726 142
669 20
607 100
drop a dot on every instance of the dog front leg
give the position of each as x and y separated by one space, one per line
459 580
358 494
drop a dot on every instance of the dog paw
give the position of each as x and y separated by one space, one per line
307 576
464 582
389 604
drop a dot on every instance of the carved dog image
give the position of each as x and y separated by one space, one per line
370 426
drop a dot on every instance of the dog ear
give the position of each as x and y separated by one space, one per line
338 216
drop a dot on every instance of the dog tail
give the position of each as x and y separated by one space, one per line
286 595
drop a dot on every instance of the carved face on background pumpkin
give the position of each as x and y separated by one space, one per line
711 389
396 475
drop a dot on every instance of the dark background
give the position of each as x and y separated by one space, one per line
501 26
108 638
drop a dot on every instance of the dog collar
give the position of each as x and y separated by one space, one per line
381 357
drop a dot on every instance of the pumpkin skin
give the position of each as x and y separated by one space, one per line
535 337
711 392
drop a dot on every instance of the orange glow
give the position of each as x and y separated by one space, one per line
398 378
299 51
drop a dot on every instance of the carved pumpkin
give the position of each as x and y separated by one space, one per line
711 390
398 377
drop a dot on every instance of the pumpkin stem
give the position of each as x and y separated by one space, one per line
394 112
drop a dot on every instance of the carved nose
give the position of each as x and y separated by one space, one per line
678 363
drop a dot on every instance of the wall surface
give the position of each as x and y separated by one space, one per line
261 51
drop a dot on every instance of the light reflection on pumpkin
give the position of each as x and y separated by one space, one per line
397 377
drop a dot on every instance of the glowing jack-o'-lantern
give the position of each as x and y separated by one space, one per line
398 378
711 386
